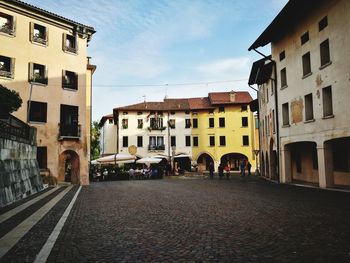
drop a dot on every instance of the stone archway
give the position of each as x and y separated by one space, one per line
233 160
69 167
203 162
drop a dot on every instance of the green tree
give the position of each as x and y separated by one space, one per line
95 140
10 101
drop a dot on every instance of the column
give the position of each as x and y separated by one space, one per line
325 165
285 165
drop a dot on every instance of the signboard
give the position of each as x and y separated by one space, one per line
132 149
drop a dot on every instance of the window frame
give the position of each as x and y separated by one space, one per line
8 30
43 111
73 86
125 141
8 72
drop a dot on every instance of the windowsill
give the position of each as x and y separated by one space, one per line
39 44
245 145
8 35
70 52
328 117
221 127
37 122
285 125
308 121
8 78
244 126
68 89
325 65
307 75
38 83
284 87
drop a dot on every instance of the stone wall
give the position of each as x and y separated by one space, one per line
19 170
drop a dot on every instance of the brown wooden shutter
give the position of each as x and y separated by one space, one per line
30 72
13 61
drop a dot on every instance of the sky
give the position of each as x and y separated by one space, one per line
144 49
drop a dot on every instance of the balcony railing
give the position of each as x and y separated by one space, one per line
156 147
69 131
40 39
70 49
69 86
38 79
156 128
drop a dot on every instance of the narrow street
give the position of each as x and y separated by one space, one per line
189 220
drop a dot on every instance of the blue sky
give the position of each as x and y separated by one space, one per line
146 42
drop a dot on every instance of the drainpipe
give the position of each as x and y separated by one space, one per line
276 112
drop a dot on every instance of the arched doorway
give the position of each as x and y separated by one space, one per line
273 161
203 162
233 160
69 167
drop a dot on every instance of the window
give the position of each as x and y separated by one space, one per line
187 112
173 141
306 64
125 113
222 140
267 94
309 112
304 38
7 67
172 112
69 123
125 123
125 141
195 123
139 123
325 55
37 73
37 111
156 123
245 139
139 141
285 113
38 34
221 122
139 113
110 121
211 122
221 109
283 78
7 24
211 111
172 123
70 43
187 123
211 140
188 140
244 121
156 143
195 141
244 107
323 23
327 101
282 55
41 156
69 80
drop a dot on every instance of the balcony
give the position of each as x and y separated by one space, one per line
156 147
156 128
69 132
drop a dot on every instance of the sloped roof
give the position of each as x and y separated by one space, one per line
232 97
293 13
200 103
104 119
176 104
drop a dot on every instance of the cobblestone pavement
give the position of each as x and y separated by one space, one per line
201 220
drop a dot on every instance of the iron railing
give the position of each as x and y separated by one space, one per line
152 147
70 131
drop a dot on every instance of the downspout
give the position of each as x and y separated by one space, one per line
276 112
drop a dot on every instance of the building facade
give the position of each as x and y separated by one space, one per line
219 128
43 56
310 54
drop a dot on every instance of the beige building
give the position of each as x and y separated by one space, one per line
43 56
310 51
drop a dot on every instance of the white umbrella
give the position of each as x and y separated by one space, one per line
114 158
182 156
161 156
149 160
94 162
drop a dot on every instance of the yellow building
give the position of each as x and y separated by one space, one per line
43 56
223 130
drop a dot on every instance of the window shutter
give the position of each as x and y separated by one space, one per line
46 75
30 73
31 32
14 26
64 39
63 77
13 61
47 36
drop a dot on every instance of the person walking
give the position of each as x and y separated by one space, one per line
221 171
249 166
227 169
242 168
211 170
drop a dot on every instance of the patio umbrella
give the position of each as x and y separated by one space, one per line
149 160
115 158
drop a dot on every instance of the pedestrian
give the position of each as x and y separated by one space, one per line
242 168
249 166
211 170
221 171
227 169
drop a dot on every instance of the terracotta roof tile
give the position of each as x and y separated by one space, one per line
199 103
232 97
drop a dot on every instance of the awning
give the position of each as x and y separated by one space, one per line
115 158
183 156
261 71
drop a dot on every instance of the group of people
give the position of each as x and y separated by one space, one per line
244 165
144 173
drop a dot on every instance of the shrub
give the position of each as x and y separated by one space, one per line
10 100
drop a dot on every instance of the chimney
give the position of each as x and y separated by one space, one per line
232 96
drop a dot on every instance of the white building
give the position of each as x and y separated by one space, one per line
310 49
108 137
